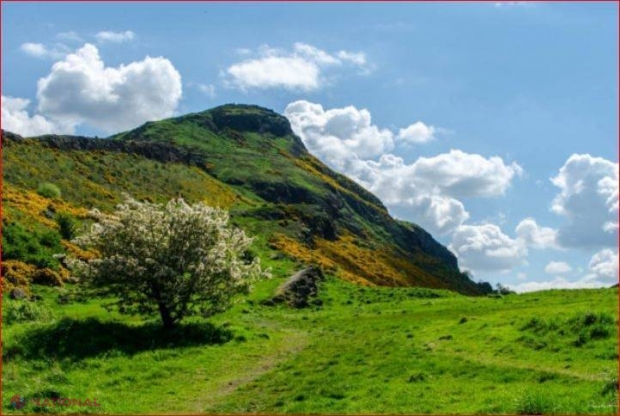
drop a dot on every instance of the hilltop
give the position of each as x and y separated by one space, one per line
243 158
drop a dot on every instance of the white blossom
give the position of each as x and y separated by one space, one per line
174 259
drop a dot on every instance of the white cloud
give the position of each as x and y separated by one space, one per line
438 214
39 50
417 133
604 267
486 248
536 236
602 272
34 49
557 267
15 118
207 89
521 276
556 283
338 135
70 36
115 37
357 58
511 3
588 198
302 69
81 89
457 173
424 191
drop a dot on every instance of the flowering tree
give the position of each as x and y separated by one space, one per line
176 259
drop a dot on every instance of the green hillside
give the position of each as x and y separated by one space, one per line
396 326
243 158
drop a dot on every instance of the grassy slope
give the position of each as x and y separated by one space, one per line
246 172
367 350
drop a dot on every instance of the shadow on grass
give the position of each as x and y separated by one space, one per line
78 339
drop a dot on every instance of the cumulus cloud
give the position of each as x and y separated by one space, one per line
603 267
338 135
417 133
301 69
15 118
557 267
39 50
602 272
486 248
457 173
425 191
536 236
588 199
437 213
557 283
81 89
115 37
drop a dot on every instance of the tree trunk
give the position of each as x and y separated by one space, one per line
166 317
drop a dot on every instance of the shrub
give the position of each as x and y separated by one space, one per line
175 259
31 246
67 226
46 277
535 403
18 311
16 274
417 377
49 190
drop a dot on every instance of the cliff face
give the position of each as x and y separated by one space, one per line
270 182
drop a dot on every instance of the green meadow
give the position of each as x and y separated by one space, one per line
356 350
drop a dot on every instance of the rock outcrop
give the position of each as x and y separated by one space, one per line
300 289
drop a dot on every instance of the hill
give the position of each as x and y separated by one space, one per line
367 343
243 158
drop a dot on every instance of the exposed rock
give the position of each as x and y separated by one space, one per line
251 118
18 293
298 290
8 136
159 151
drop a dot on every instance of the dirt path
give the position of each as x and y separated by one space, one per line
295 341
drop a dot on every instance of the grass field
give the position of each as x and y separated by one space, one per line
364 350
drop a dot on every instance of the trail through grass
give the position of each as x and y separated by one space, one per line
366 350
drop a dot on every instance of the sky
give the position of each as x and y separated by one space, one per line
493 125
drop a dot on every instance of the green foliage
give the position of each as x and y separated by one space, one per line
58 341
37 246
47 277
20 311
580 328
176 259
67 225
535 403
49 190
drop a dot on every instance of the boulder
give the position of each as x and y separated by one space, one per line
18 293
298 290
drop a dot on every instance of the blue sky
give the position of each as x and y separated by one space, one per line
457 115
